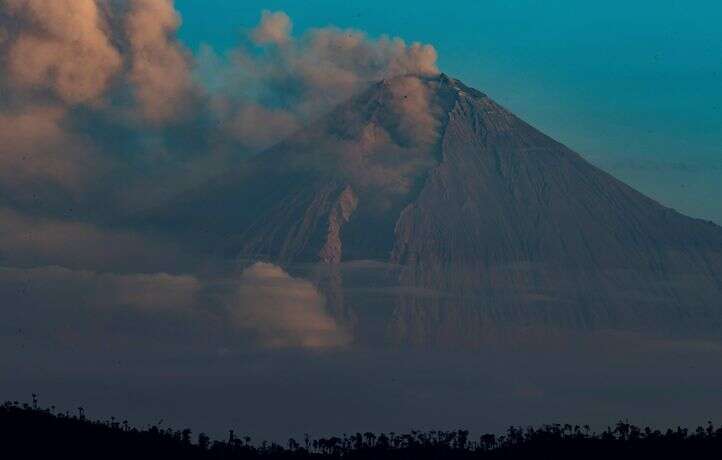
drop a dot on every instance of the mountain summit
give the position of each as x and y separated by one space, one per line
471 206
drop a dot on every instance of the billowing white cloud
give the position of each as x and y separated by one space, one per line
61 46
283 311
275 27
266 305
63 124
296 79
160 68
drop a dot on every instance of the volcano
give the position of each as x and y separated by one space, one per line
475 213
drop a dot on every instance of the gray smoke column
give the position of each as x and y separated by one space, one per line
62 123
287 81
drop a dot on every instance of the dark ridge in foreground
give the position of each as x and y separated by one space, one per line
31 432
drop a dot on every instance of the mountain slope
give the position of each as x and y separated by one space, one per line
477 214
518 221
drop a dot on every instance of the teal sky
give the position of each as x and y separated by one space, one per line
636 87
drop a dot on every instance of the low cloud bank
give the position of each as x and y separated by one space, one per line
284 311
262 306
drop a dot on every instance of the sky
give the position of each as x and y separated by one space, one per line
632 86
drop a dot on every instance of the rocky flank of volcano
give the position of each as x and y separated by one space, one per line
477 215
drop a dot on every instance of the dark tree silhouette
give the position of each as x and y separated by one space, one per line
29 431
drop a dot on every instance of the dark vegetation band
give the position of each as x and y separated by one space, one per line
29 431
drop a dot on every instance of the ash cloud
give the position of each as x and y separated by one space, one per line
290 81
37 151
274 28
160 67
104 114
148 114
54 44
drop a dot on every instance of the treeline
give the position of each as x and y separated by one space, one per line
28 431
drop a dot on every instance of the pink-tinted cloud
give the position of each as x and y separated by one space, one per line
61 46
284 311
36 149
258 127
160 68
299 78
275 28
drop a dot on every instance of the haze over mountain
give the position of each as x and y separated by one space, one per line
473 213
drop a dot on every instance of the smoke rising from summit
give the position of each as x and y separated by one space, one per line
104 112
147 102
